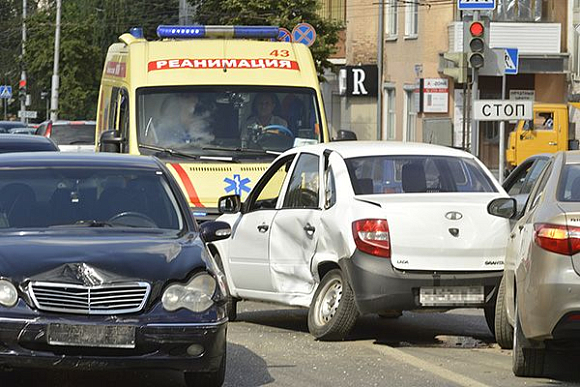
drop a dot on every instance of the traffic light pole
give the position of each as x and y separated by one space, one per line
502 135
474 146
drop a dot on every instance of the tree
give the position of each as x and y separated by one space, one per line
88 28
282 13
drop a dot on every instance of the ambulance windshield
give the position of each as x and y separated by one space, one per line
245 119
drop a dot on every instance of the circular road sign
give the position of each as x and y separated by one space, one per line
304 33
284 35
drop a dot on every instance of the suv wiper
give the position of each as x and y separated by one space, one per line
243 150
85 223
169 151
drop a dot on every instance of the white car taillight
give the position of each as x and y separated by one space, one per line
372 237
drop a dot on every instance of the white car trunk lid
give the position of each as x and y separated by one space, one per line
443 232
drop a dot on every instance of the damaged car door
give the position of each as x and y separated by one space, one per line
295 229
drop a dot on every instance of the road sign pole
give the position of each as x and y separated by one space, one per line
474 146
502 136
5 102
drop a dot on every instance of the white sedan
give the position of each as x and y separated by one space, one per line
366 227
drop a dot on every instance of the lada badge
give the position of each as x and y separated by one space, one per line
453 215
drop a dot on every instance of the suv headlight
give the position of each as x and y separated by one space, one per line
8 294
196 295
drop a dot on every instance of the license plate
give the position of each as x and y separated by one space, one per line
110 336
451 295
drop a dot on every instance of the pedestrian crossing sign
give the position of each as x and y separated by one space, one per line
5 91
511 59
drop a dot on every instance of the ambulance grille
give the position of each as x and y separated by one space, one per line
210 169
254 169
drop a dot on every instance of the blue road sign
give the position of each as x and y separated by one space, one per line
5 91
304 33
511 59
475 5
284 35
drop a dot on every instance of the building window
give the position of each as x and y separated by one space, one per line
391 18
390 114
333 9
410 116
411 18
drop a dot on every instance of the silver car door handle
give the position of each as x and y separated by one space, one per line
263 227
552 143
309 229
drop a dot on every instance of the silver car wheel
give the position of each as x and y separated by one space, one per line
328 301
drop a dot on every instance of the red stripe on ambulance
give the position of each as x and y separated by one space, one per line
169 64
193 198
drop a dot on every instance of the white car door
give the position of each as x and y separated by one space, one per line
296 228
248 259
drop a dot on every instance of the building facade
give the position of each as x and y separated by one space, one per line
418 101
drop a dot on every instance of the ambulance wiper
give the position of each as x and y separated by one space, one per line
243 150
173 152
169 151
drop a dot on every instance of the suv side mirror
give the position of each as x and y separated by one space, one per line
229 204
345 135
109 141
503 207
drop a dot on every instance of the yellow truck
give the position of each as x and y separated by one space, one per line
216 103
553 128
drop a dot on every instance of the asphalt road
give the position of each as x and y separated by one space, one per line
270 345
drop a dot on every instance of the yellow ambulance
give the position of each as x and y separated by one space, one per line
216 103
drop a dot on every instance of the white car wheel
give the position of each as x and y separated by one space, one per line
333 311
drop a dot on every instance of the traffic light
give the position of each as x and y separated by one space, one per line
476 44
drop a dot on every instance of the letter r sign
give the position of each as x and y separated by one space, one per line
362 81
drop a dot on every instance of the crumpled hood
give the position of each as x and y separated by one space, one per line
92 259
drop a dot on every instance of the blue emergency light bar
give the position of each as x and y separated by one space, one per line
193 32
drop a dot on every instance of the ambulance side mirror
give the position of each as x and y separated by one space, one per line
110 141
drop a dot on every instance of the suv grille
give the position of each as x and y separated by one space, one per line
103 299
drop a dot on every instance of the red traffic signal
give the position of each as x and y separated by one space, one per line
476 29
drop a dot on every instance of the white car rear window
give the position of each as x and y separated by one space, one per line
416 174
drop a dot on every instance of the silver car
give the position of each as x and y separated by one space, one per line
538 303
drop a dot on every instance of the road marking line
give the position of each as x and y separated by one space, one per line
429 367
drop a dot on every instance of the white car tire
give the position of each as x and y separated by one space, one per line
526 360
333 312
504 332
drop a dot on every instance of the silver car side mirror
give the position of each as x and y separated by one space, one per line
503 207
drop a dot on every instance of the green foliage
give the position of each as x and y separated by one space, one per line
88 28
282 13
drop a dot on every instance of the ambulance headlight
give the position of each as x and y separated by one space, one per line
196 295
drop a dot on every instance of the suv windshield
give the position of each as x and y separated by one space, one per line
416 174
86 197
217 119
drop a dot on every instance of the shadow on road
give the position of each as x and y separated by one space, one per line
244 369
411 329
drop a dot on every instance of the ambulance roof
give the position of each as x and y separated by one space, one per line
212 62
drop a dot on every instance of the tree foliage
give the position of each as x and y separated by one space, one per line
282 13
88 28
